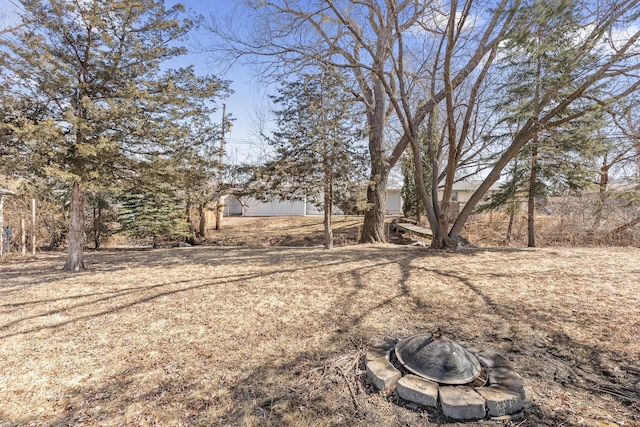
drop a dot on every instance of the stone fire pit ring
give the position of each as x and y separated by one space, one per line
502 397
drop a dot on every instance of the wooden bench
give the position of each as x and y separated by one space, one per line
413 229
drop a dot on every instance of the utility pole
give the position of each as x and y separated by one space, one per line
224 130
219 205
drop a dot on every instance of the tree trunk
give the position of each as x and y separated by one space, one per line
95 229
533 178
442 239
373 225
429 203
531 202
512 217
75 239
520 140
328 211
97 226
219 213
603 184
202 225
328 193
622 228
192 230
23 237
33 227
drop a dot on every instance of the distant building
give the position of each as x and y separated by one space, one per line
249 206
462 191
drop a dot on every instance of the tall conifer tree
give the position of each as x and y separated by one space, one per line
318 147
538 56
90 99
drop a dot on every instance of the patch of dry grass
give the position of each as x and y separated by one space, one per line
285 231
274 336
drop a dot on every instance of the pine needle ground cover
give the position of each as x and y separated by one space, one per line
247 336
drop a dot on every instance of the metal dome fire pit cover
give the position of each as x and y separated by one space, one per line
438 358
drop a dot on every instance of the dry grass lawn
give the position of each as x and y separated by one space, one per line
252 336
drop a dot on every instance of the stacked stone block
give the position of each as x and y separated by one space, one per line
502 398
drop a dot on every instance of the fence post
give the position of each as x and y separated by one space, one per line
33 227
23 236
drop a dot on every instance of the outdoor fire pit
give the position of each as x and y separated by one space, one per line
464 382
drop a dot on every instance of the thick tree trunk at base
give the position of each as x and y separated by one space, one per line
373 226
444 241
442 238
75 260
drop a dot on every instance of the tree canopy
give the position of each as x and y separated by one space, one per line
88 100
544 92
318 147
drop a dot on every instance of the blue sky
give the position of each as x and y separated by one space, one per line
247 105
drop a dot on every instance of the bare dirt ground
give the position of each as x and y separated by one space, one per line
253 336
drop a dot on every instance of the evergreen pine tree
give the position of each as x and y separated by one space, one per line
317 146
538 57
156 214
89 100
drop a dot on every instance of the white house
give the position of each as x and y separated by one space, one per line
394 201
462 191
254 207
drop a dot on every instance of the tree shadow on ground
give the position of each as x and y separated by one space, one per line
322 382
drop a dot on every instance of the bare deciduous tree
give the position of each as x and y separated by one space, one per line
413 62
600 55
389 49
